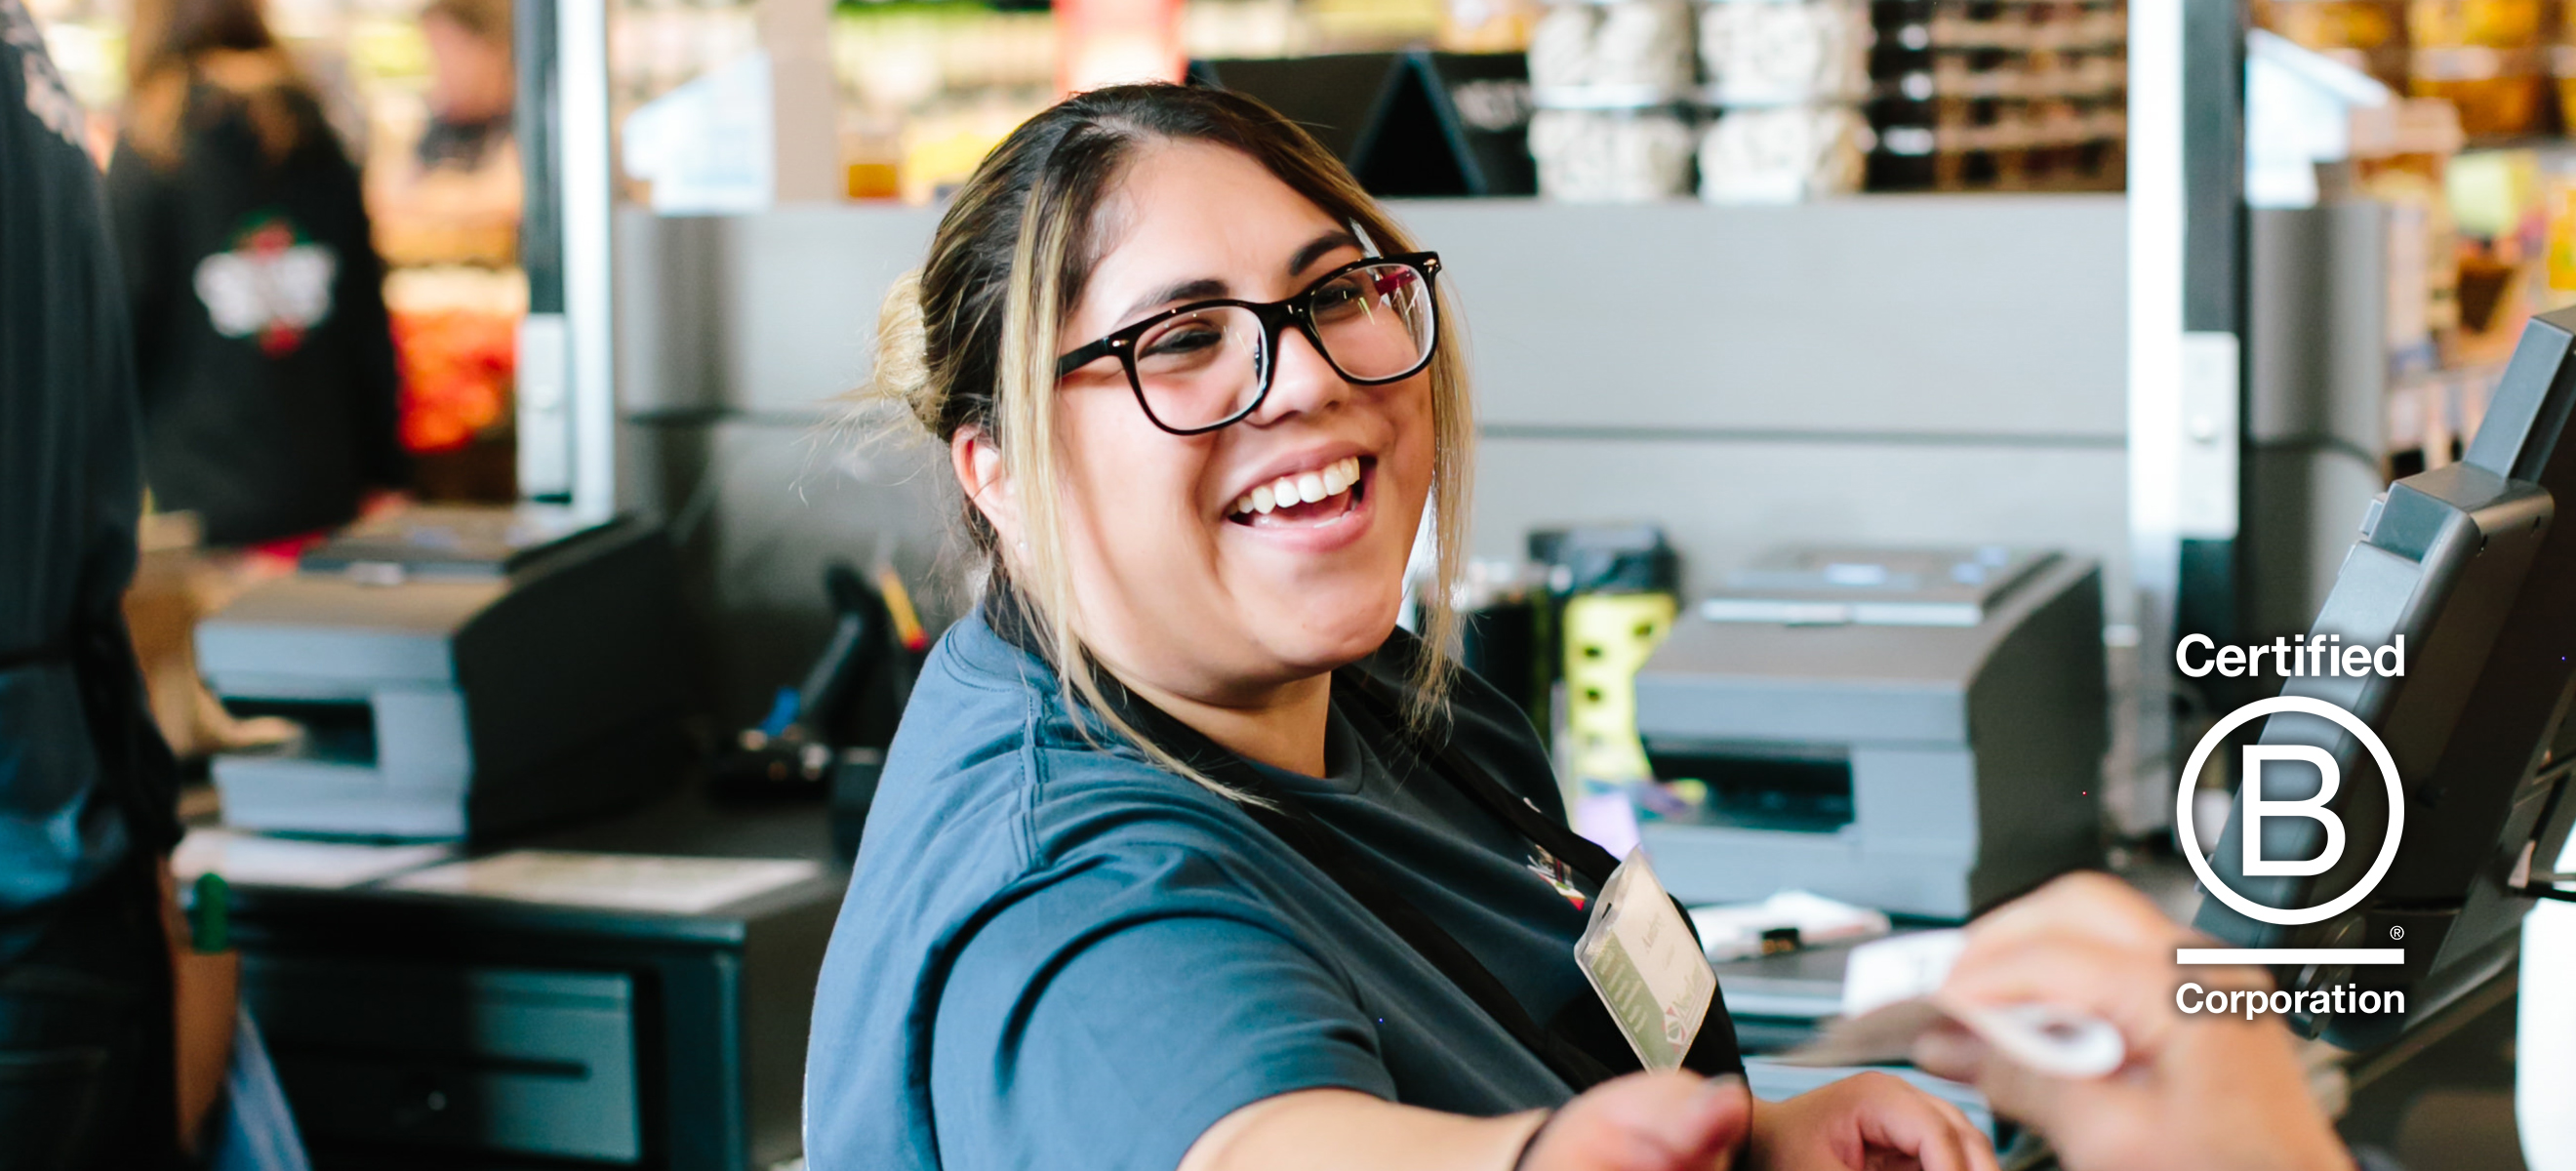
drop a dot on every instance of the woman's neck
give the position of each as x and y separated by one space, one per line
1284 731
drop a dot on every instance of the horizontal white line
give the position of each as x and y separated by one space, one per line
2290 955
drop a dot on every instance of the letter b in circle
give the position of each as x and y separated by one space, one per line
2258 807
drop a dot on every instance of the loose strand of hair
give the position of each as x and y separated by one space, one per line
1033 307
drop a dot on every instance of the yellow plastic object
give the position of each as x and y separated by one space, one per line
1607 637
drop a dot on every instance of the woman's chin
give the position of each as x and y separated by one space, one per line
1332 637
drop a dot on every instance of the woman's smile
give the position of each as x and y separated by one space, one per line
1301 497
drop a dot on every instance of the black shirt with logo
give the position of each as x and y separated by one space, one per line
266 363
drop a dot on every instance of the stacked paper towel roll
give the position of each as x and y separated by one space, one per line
1786 79
1614 83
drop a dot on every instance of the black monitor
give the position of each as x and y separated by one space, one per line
2471 567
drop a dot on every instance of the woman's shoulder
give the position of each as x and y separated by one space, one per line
988 755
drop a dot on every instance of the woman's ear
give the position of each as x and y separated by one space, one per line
977 460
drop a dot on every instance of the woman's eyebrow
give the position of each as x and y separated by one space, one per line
1197 289
1319 248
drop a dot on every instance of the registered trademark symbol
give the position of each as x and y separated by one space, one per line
2397 933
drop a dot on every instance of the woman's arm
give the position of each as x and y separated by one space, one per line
1641 1122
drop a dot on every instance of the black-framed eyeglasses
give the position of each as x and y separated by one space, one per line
1203 365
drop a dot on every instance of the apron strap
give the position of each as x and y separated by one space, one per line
1583 854
1582 1044
1714 1051
1288 819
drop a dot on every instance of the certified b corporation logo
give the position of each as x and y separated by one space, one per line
2257 808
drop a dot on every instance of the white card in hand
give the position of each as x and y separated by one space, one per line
1888 1001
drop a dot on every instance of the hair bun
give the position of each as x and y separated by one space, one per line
900 381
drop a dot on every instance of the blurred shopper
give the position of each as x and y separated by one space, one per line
266 367
2201 1093
88 1063
452 196
470 81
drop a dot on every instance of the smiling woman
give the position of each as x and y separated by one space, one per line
970 348
1184 854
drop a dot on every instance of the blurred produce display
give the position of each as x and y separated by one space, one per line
456 330
2479 183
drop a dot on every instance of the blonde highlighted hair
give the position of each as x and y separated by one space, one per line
970 340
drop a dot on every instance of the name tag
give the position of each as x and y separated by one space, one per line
1649 971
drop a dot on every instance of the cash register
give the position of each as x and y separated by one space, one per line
1917 731
460 673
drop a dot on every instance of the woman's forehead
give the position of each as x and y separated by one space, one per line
1187 211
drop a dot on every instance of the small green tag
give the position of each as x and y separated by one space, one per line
210 926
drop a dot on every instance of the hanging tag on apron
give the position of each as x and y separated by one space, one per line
1643 961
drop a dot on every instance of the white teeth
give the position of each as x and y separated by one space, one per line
1303 488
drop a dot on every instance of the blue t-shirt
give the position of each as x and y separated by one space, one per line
1056 954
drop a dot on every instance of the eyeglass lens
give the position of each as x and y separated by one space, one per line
1207 366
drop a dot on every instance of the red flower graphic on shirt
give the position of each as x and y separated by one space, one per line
274 285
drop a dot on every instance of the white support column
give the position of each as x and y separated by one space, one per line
2142 800
581 45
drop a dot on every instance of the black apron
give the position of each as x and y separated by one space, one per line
1582 1043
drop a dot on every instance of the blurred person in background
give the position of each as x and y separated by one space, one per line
113 1034
452 195
256 294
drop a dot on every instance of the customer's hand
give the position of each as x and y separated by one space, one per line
1869 1122
1646 1122
2202 1093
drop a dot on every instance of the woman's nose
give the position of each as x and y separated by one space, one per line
1303 383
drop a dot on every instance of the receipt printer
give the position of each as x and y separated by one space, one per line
459 673
1917 731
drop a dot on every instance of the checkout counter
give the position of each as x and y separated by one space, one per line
487 915
437 1017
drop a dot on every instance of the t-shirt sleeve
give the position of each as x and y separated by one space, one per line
1107 1016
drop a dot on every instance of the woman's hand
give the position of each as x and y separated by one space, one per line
2204 1093
1867 1122
1646 1122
